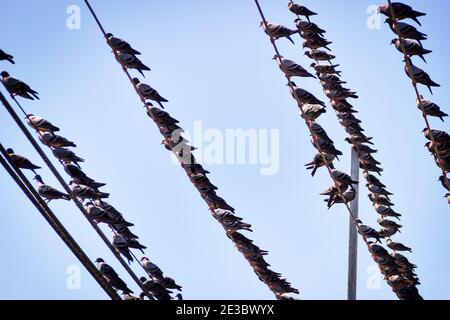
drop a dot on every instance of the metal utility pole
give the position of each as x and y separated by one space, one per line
353 235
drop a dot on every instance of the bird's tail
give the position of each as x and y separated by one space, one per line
10 59
66 197
290 39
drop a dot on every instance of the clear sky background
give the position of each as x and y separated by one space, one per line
213 62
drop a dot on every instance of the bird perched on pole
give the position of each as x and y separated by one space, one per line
420 76
401 11
309 27
406 31
18 88
312 111
316 43
120 45
156 289
47 192
7 57
80 177
148 92
293 69
325 69
320 55
278 31
100 215
431 109
152 269
412 48
67 155
112 277
40 124
301 10
397 246
55 141
21 162
438 135
120 244
85 192
130 61
318 162
304 96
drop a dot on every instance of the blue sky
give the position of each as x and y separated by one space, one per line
214 65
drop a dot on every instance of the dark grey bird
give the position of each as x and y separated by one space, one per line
120 45
230 221
40 124
354 139
378 190
431 109
412 48
401 260
326 69
67 155
386 211
7 57
367 231
342 177
381 200
362 148
293 69
170 283
109 217
148 92
438 135
18 88
326 147
21 162
80 177
121 245
312 111
112 277
49 193
442 148
387 232
304 96
401 11
301 10
130 61
113 212
371 179
316 43
152 269
397 246
420 76
85 192
318 162
52 140
278 31
330 78
308 27
156 289
347 196
389 224
340 95
319 132
443 179
320 55
404 30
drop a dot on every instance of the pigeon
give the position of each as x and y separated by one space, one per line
389 224
301 10
387 232
148 92
404 30
318 162
342 177
21 162
319 133
378 190
371 179
99 214
18 88
40 124
367 231
316 43
326 147
439 136
325 69
362 148
130 61
412 48
160 116
55 141
308 27
401 11
381 200
130 297
304 96
293 69
442 148
330 78
443 180
397 246
112 277
229 221
401 260
156 289
420 76
170 283
312 111
347 196
80 177
7 57
278 31
431 109
49 193
152 269
358 140
67 155
120 45
340 95
121 245
320 55
85 192
386 211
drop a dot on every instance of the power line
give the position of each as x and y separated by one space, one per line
277 285
66 187
54 222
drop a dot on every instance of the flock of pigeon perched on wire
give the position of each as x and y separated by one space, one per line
86 190
409 43
398 271
180 147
